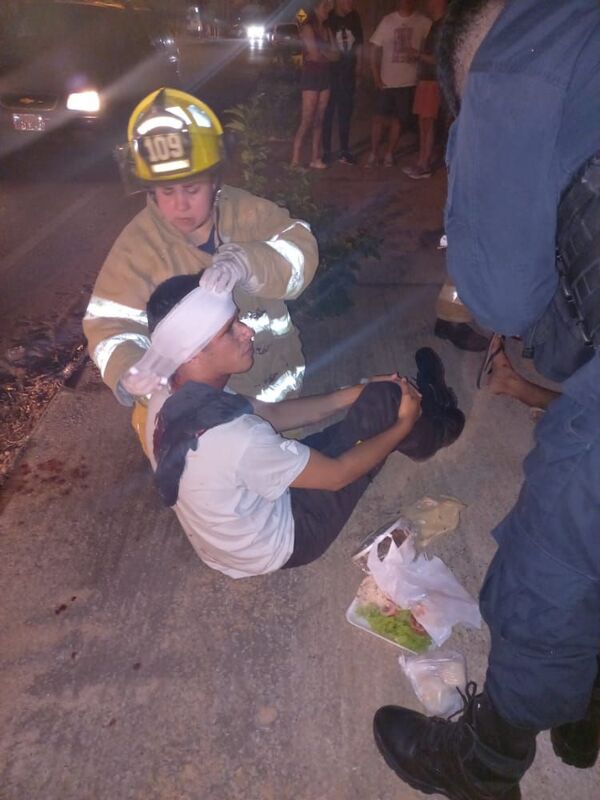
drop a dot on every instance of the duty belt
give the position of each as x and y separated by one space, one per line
578 250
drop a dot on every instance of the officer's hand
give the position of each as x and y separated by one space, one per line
229 267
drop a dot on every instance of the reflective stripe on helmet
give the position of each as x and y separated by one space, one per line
287 382
104 350
100 308
295 258
278 326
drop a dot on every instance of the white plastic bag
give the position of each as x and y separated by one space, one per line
436 679
426 587
431 517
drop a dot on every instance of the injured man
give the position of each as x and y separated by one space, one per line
250 500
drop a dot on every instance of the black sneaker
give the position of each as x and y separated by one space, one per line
437 396
453 423
347 158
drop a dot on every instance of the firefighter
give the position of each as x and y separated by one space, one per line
195 224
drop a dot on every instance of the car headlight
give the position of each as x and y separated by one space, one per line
84 101
255 31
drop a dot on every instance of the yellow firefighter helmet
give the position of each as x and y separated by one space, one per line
171 136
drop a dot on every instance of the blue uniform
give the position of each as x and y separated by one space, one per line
529 118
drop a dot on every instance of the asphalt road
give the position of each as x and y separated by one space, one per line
62 204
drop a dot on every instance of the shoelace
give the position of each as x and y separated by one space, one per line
442 733
468 698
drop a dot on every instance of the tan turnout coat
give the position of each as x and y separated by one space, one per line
283 256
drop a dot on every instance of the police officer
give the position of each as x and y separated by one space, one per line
193 223
526 77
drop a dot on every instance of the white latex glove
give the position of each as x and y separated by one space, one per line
139 384
229 267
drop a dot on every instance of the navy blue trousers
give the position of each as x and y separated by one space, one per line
541 595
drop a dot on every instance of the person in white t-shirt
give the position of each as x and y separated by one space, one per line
396 44
250 500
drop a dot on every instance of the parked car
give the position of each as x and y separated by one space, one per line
66 62
284 41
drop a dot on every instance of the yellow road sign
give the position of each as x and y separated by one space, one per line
301 15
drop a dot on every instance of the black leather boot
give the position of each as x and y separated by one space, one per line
461 335
578 743
479 757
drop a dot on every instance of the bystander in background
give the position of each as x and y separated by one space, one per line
396 43
346 30
427 95
315 82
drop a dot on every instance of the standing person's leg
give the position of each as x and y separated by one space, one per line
384 109
426 106
541 596
309 106
376 132
317 130
426 137
394 132
403 102
541 600
329 115
347 90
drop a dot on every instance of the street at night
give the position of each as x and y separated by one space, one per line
131 670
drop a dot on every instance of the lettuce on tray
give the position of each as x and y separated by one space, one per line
400 627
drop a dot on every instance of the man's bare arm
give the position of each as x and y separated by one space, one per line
375 59
289 414
333 474
295 413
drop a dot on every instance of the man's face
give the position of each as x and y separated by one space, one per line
407 6
436 8
231 351
186 206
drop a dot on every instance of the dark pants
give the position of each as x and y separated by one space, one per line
541 596
341 101
319 515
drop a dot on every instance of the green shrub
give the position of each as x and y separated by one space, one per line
341 251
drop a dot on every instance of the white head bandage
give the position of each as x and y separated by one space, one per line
178 337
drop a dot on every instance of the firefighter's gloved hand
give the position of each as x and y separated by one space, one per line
229 267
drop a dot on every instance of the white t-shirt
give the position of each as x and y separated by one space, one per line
395 34
234 500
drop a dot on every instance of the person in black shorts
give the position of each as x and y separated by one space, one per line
315 82
396 44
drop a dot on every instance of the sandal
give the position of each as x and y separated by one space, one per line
495 346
